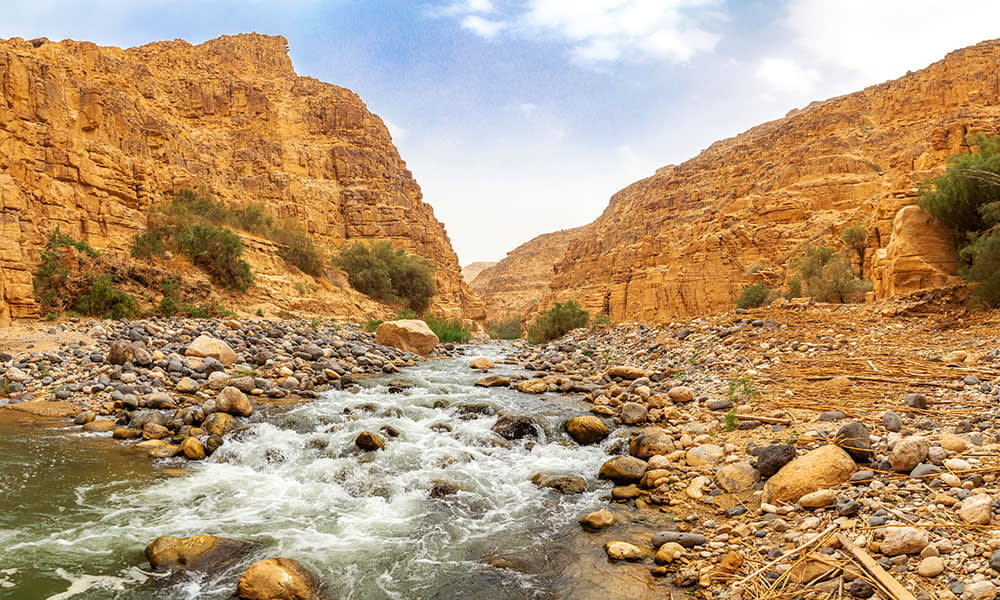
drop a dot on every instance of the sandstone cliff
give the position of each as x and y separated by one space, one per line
90 136
687 240
519 281
472 270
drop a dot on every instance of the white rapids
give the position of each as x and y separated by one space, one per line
364 522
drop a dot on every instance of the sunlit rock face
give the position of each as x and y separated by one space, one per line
91 136
688 239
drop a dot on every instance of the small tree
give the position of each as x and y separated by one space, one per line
557 322
855 237
827 276
755 295
389 275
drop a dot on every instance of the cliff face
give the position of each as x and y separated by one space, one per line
515 284
472 270
687 240
90 136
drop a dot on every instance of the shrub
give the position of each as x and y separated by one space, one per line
966 199
508 329
794 288
102 300
389 275
52 279
755 295
557 321
601 320
217 250
981 268
148 245
827 276
299 250
448 330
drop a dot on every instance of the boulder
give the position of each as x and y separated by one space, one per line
977 510
205 346
586 429
599 519
120 352
193 448
196 553
218 423
231 400
278 579
652 441
532 386
564 484
409 335
633 413
493 381
908 453
515 427
904 540
737 477
623 551
367 440
819 469
626 372
481 363
680 394
856 440
623 469
704 455
920 254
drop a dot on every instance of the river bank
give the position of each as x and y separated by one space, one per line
740 456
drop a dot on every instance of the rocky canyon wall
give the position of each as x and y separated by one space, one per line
90 136
514 285
688 239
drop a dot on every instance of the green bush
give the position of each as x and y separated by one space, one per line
52 279
755 295
827 276
389 275
102 300
299 250
448 330
217 250
966 199
981 268
148 245
557 322
601 320
794 288
508 329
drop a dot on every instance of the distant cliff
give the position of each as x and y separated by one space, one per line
90 136
512 286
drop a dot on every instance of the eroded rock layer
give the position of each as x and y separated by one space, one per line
90 136
511 287
687 240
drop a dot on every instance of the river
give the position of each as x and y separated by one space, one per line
78 510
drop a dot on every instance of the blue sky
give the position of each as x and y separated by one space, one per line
521 117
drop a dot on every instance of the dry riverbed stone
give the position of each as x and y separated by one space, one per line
821 468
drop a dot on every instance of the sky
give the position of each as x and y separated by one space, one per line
521 117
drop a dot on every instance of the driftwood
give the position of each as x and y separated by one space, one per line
884 579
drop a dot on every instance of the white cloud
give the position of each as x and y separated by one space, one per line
484 28
784 75
528 109
608 30
876 41
601 31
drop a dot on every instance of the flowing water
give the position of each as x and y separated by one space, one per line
77 511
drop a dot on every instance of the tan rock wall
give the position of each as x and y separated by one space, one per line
686 240
513 285
920 254
90 136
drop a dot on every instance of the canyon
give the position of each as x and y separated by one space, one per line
91 136
688 239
